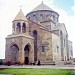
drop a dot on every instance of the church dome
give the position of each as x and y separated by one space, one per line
42 13
42 6
20 16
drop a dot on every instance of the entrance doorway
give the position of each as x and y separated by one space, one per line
26 60
26 54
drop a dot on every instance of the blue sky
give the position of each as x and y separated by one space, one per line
65 5
10 8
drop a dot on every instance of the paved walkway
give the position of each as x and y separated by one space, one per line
41 66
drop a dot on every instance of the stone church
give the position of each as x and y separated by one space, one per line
38 36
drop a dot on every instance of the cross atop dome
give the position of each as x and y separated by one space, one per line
20 6
42 1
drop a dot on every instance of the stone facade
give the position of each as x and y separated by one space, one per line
70 51
39 35
56 48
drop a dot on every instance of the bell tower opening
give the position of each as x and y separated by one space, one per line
24 28
18 28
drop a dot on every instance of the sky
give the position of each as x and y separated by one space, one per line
10 8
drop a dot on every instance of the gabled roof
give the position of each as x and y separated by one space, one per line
42 6
61 26
20 16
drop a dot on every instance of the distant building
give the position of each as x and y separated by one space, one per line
39 35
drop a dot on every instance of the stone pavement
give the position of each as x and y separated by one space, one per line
41 66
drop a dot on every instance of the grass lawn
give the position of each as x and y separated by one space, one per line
36 71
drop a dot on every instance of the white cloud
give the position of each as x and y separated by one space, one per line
73 9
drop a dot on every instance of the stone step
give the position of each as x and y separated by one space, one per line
47 62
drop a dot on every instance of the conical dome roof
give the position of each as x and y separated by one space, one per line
42 6
20 16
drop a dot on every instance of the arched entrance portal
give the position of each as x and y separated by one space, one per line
14 53
26 53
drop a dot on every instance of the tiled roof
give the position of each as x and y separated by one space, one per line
42 6
20 16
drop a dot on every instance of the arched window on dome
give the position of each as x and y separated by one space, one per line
24 28
57 19
18 28
41 17
34 18
53 18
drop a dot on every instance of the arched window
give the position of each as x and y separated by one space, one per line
41 17
35 34
13 28
53 18
64 42
35 44
29 18
57 19
18 28
43 48
34 18
24 28
57 47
